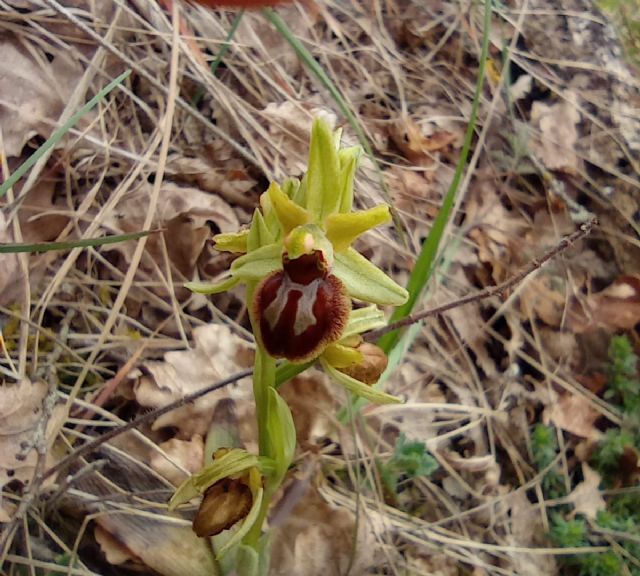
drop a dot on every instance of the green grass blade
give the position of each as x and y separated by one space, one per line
425 263
59 133
280 25
224 48
84 243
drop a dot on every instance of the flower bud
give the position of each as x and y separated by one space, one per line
374 362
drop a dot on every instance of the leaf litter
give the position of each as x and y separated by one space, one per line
476 379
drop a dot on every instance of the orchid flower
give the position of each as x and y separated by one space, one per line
302 271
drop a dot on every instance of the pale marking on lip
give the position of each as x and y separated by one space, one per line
304 313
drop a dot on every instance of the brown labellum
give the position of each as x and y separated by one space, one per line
301 308
225 503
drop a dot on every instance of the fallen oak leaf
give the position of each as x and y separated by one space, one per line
586 497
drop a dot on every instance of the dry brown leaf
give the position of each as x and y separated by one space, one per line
183 213
616 307
189 454
575 414
32 91
586 497
415 145
163 546
114 551
558 134
318 539
21 411
217 353
527 530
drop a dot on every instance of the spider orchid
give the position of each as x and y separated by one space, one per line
302 272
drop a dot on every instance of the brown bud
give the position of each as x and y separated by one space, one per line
374 362
225 503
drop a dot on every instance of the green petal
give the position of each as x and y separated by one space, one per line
343 229
323 180
359 388
289 213
232 242
259 234
259 263
212 288
364 319
340 356
366 282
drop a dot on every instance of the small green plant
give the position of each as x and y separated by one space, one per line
607 455
624 384
544 447
625 15
410 459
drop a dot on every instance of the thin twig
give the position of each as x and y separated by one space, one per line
148 417
534 265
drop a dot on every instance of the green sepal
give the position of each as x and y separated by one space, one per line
259 234
359 388
323 174
257 264
282 433
341 356
212 287
232 463
349 159
236 242
364 281
343 229
362 320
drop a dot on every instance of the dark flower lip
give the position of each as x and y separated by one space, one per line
223 505
301 309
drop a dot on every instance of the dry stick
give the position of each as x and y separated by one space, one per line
534 265
148 417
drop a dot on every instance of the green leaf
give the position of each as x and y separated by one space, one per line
70 245
359 388
282 433
349 160
366 282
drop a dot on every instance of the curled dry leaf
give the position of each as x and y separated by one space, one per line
33 92
586 497
217 353
617 307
